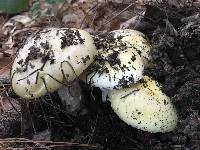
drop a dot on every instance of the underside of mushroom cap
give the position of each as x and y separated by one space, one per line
116 65
144 106
50 58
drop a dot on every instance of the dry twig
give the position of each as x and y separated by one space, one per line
22 144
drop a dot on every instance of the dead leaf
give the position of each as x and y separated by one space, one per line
133 22
23 19
10 42
71 19
5 65
16 22
1 55
9 105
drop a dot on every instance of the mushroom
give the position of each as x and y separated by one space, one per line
52 57
137 40
144 106
116 65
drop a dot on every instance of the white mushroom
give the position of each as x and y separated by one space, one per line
50 58
136 40
116 65
144 106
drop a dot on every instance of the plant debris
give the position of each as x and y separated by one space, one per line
173 30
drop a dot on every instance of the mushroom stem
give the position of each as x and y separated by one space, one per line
71 97
104 93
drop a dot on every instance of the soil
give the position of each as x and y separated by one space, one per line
175 38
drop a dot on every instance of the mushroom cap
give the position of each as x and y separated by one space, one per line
49 58
144 106
137 40
116 65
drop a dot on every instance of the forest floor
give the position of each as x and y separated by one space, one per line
174 32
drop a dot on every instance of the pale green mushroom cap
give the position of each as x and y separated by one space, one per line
115 69
49 58
144 106
116 66
138 41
